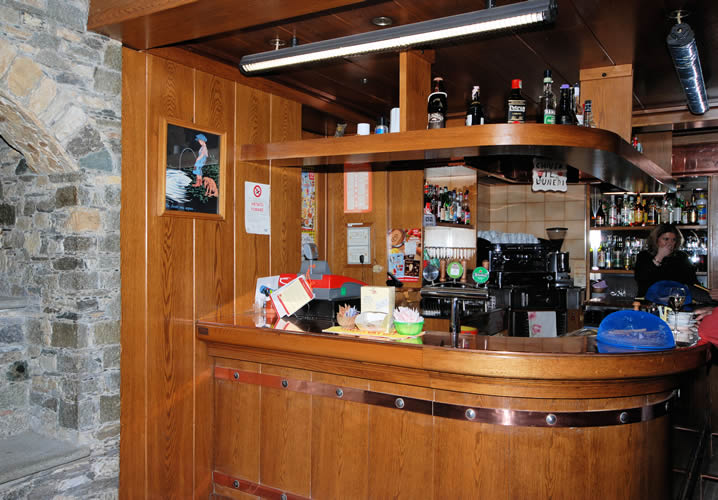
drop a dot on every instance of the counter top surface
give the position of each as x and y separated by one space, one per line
570 357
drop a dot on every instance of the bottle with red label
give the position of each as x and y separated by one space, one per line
516 104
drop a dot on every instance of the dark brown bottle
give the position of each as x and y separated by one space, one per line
436 106
516 104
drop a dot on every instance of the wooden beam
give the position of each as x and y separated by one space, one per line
414 86
231 73
611 90
105 12
144 24
673 116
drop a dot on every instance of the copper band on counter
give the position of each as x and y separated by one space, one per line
495 416
252 488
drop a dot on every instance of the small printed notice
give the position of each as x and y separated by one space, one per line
549 176
291 297
257 208
357 189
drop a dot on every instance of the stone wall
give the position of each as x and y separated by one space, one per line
60 99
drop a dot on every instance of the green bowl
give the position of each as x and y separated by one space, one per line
408 328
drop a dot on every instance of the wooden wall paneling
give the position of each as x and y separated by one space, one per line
458 449
133 431
252 250
658 147
340 443
611 90
170 356
286 434
414 88
336 227
214 265
236 436
401 463
286 198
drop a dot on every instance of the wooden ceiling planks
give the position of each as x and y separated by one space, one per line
586 34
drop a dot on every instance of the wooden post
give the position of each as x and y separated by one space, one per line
611 90
414 86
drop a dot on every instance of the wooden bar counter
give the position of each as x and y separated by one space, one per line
314 415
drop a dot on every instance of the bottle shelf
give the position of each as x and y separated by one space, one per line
643 228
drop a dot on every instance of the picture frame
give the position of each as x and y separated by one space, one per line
193 170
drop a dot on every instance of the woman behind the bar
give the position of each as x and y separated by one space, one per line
663 260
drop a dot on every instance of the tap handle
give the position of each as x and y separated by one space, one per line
455 328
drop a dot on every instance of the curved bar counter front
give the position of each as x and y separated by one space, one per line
313 415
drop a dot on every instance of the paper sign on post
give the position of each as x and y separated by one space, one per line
256 208
292 296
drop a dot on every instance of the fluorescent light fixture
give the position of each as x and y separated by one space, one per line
404 37
682 46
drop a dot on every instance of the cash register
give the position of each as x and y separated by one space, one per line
330 290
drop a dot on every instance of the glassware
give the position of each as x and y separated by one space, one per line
676 299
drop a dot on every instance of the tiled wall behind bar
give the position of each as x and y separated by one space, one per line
517 209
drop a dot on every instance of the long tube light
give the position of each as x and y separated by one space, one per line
682 46
404 37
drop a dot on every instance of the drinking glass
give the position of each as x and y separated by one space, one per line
676 299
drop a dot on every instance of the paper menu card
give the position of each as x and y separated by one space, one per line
291 297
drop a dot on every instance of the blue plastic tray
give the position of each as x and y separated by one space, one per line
633 331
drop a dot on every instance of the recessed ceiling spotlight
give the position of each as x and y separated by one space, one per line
382 21
277 43
364 80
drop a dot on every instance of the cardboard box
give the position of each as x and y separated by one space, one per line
378 299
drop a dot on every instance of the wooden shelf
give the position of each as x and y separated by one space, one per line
641 228
598 153
452 225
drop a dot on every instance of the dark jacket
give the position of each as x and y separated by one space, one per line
675 267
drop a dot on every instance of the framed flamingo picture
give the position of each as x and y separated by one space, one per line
192 176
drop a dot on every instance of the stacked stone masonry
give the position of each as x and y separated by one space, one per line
60 147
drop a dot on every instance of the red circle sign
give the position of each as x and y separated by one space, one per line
257 191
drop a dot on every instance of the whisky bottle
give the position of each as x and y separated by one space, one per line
516 104
436 107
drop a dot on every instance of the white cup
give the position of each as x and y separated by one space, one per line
363 129
394 120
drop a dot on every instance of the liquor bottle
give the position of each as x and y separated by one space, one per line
678 210
467 209
702 208
576 109
638 212
588 114
693 211
474 112
645 212
666 212
600 215
613 212
609 251
651 217
563 114
547 101
436 107
617 254
685 212
516 104
601 256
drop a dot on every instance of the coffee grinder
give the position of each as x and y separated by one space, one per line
557 261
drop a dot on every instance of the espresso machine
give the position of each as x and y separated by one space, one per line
526 277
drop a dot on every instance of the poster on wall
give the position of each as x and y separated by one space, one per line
257 208
309 207
357 189
404 254
192 170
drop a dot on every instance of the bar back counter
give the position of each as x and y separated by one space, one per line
312 415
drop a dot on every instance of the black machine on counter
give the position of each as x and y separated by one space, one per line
531 277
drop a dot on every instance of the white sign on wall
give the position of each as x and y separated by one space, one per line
549 176
257 208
